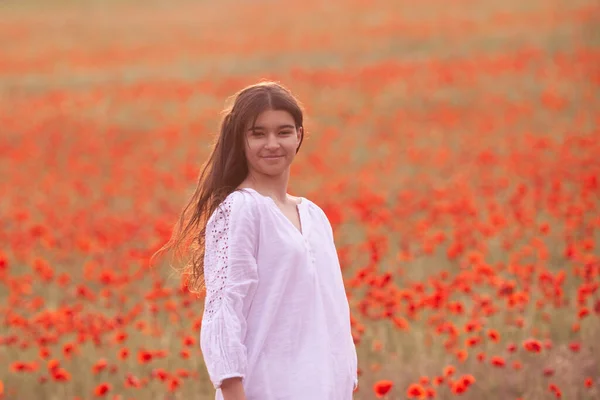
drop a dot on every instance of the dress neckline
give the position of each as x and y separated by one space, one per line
302 199
299 207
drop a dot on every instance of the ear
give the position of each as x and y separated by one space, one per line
300 133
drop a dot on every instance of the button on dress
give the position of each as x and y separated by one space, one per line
276 312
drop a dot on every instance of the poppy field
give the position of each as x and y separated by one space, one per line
454 146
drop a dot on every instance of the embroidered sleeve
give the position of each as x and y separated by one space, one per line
216 258
231 277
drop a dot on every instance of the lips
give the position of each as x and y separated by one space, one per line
272 156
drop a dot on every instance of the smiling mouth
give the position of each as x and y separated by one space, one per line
272 156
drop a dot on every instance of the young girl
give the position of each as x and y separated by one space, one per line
276 322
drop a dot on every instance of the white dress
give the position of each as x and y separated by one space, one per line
276 312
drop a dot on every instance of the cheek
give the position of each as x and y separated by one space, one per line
291 145
252 149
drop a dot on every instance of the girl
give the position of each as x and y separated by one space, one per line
276 322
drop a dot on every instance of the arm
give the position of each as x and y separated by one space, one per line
355 363
352 346
233 389
231 276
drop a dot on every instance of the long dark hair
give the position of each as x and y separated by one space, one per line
225 169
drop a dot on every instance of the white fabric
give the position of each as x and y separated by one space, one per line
276 312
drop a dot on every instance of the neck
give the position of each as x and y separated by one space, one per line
272 186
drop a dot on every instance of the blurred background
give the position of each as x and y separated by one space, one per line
454 146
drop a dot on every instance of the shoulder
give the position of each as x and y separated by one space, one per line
315 208
318 213
243 199
320 216
238 204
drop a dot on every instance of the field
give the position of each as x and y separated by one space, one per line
453 144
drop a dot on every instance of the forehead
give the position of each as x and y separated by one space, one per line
272 119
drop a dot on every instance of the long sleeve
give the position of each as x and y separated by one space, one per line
356 364
352 346
231 277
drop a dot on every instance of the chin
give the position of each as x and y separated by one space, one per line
275 171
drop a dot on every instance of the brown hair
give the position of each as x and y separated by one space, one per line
225 169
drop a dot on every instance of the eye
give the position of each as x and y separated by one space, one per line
257 133
285 132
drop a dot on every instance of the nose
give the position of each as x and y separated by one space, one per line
272 142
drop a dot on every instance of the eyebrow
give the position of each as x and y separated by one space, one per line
260 128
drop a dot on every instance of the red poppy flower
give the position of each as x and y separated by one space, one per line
382 387
416 391
102 389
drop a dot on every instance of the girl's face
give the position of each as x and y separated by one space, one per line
271 145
